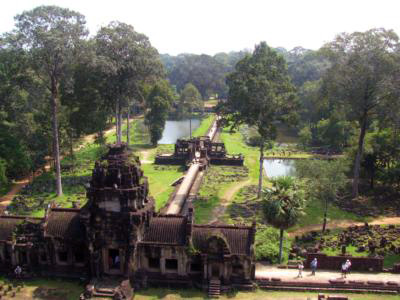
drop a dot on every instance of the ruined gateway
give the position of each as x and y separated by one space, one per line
117 233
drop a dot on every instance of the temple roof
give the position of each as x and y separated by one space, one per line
65 223
169 229
237 237
9 223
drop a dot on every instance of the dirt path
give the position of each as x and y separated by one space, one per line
344 224
19 185
145 156
226 200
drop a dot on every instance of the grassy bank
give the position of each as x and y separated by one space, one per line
204 126
178 294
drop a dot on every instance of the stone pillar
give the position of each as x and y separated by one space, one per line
162 262
2 256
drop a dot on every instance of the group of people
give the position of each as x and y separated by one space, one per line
314 263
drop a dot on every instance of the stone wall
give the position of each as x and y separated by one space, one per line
335 262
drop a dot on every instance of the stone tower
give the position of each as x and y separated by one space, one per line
116 213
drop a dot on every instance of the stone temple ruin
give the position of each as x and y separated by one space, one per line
203 150
208 151
117 234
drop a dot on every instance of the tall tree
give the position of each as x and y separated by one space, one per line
189 100
283 205
260 94
158 104
52 36
127 59
323 179
361 63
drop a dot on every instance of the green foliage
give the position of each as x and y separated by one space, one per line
260 92
323 178
189 100
283 203
205 72
362 62
305 136
3 177
14 153
267 245
158 103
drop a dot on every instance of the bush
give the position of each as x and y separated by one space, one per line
267 245
3 169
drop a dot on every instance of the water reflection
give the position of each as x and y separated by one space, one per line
177 129
279 167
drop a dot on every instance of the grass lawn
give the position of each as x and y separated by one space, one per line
178 294
45 289
235 144
216 182
160 179
314 214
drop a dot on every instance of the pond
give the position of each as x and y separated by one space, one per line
177 129
279 167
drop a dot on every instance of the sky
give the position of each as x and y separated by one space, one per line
212 26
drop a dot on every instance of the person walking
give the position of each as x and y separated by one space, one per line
300 266
348 263
344 269
314 265
18 271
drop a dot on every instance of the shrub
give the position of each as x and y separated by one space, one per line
267 245
3 177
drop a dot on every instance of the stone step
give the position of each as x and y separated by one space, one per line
299 288
105 291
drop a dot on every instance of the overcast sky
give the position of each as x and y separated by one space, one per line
211 26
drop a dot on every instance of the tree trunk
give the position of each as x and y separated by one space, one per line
357 163
116 120
260 177
280 245
56 144
120 123
325 216
118 116
128 128
371 182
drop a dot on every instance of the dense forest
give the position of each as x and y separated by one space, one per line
58 84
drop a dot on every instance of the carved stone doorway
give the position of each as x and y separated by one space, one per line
215 271
112 261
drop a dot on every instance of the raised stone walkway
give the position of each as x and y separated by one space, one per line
321 275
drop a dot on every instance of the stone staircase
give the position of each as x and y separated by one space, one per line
214 288
108 288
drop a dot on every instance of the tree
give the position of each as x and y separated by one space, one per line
52 36
189 100
361 63
126 59
324 179
283 205
158 104
203 71
260 94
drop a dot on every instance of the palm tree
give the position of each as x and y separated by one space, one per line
283 205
